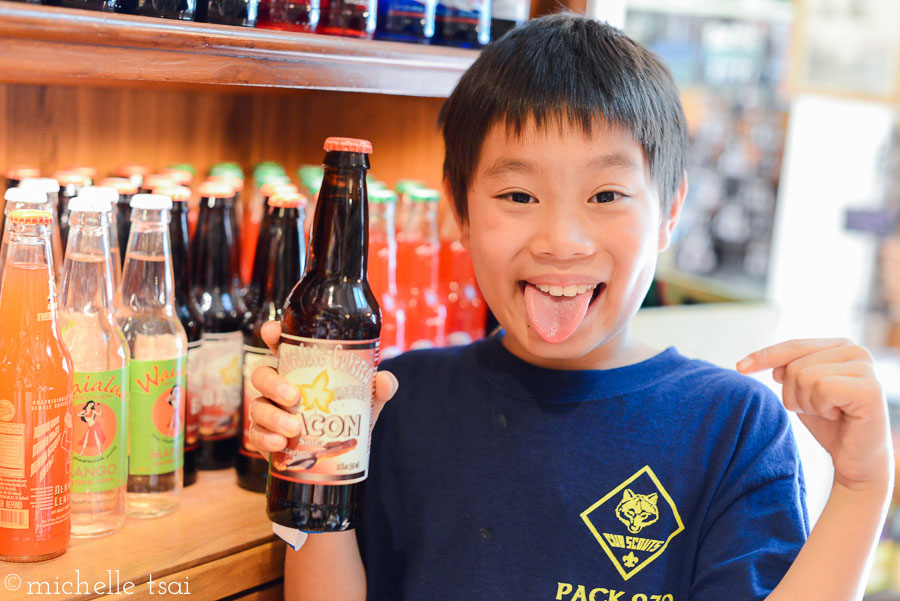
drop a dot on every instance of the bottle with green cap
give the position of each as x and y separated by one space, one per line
418 251
404 187
383 270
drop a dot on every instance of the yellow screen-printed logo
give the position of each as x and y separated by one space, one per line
634 522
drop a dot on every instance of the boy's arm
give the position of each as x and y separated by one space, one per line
328 567
831 384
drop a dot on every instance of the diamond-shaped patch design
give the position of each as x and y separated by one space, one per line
634 522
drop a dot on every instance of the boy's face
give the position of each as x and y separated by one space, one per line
564 230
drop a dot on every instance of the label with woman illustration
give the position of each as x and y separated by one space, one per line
99 441
157 416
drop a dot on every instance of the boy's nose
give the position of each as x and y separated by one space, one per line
563 236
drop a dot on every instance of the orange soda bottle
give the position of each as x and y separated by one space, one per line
36 380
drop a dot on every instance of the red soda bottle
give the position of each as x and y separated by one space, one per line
417 272
383 270
352 18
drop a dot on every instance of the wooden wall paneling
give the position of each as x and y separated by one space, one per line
56 126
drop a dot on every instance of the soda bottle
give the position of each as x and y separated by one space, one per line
189 315
289 16
88 172
383 270
253 218
466 310
237 214
214 276
158 345
228 12
257 282
49 187
35 398
156 180
329 346
134 172
418 265
352 18
463 23
404 187
406 20
280 261
32 198
17 173
101 359
70 183
126 189
109 196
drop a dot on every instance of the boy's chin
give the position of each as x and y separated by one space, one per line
573 348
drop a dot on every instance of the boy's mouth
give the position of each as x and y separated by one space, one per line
556 311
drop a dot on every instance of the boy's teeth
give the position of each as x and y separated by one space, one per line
564 290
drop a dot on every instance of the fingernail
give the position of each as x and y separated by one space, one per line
288 393
288 423
744 363
394 383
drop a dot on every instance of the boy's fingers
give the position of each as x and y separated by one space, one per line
783 353
265 440
273 418
385 387
274 387
271 334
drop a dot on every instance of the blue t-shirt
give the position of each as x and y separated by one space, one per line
490 478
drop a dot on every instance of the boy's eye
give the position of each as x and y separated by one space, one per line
605 196
520 197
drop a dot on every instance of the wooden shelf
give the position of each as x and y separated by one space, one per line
47 45
218 543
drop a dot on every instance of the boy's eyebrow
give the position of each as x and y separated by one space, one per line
503 166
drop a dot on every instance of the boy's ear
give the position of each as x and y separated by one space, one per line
462 224
668 222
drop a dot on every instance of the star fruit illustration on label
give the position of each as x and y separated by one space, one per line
634 522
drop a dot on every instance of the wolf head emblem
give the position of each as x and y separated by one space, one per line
637 511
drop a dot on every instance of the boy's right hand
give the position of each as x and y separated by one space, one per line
271 423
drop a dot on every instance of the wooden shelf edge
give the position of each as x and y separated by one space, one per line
41 44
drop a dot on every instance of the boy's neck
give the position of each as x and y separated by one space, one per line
620 351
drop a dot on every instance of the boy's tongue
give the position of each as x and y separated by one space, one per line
555 318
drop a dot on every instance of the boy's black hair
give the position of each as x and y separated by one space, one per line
567 69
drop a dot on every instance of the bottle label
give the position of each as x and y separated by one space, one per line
100 451
157 391
337 386
194 394
221 401
35 463
253 357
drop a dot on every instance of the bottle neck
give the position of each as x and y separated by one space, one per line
215 257
147 281
340 236
286 255
87 274
422 223
28 287
179 234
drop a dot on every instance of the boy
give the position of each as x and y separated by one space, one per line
562 459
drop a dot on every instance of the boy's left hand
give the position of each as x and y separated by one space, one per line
831 385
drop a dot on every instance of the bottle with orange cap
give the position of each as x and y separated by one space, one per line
189 314
134 172
70 184
214 277
280 259
252 226
329 345
36 384
16 173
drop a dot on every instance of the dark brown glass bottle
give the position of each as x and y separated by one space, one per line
189 315
214 267
278 265
329 347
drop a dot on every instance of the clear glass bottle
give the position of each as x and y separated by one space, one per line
383 271
108 194
146 313
101 360
16 199
35 398
50 189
